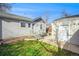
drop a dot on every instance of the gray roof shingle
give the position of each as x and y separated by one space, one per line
67 17
16 17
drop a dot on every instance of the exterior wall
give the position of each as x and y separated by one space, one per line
67 31
70 25
37 30
53 31
12 29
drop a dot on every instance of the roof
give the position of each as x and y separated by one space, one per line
67 17
38 19
15 17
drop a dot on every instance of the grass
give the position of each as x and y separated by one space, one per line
32 48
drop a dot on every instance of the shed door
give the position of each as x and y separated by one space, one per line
62 33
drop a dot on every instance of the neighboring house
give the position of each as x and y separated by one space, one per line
39 26
49 30
16 26
13 26
66 29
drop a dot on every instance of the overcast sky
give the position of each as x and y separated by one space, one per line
51 10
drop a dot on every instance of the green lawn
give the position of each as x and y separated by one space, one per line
31 48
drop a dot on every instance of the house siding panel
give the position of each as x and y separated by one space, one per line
13 29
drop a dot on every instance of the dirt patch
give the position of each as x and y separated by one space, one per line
14 40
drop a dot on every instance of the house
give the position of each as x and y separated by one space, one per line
12 26
66 30
39 26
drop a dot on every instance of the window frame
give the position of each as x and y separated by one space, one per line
41 26
23 24
29 25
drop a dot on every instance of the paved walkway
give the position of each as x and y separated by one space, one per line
49 40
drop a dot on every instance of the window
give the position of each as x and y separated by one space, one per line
41 26
22 24
33 25
74 24
28 24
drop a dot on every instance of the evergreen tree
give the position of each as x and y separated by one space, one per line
5 7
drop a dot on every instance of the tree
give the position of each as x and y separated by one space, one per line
56 36
46 16
64 13
5 7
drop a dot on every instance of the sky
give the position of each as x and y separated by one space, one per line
50 11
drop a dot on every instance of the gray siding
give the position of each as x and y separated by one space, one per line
38 30
71 26
12 29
